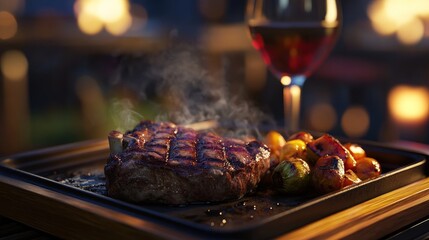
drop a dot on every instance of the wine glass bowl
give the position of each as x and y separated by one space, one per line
293 37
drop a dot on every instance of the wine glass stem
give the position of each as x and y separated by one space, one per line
292 101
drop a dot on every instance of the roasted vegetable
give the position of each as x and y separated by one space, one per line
324 163
275 141
367 168
355 150
350 178
328 174
328 145
293 148
304 136
292 176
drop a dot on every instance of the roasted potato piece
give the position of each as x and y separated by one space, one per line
275 141
355 150
292 176
350 178
367 168
293 148
328 174
304 136
328 145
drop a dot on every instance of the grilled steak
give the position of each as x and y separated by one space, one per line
163 163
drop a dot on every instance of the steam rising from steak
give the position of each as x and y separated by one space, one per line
177 83
163 163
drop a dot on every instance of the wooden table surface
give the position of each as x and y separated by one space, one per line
372 219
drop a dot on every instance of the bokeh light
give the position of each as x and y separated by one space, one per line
93 15
403 18
89 24
322 117
409 104
411 32
8 25
14 65
331 13
286 80
120 26
355 121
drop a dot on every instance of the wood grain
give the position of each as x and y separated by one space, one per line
372 219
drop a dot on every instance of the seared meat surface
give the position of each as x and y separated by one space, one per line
161 162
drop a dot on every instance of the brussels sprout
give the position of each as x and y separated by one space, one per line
328 174
368 168
292 176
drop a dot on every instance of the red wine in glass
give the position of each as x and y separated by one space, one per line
294 37
291 49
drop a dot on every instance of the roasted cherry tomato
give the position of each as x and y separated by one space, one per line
275 141
367 168
355 150
293 148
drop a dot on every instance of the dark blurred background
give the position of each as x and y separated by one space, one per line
73 70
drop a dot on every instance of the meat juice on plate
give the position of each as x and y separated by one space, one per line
293 48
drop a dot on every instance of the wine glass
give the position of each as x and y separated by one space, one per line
293 37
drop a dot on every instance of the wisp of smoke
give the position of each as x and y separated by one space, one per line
125 117
178 76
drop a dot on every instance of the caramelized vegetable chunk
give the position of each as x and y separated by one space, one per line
350 178
355 150
328 145
304 136
328 174
367 168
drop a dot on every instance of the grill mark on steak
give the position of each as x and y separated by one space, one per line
157 148
237 153
165 163
210 151
182 148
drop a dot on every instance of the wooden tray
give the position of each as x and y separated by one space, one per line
33 191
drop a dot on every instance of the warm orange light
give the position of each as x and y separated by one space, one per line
403 18
14 65
120 26
286 80
355 121
331 13
8 25
89 24
93 15
322 117
411 32
409 104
